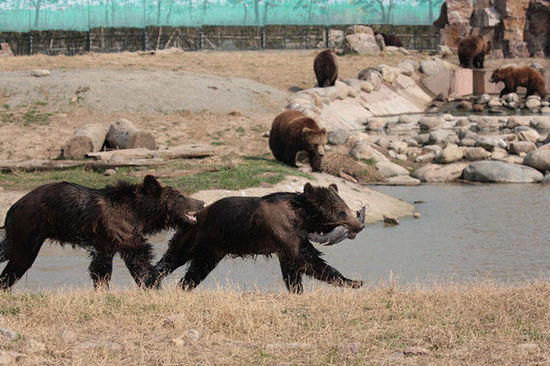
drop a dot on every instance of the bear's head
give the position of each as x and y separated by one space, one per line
328 210
499 75
166 206
315 141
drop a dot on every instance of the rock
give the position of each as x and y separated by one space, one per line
399 147
422 138
463 122
8 334
415 351
366 86
518 147
354 86
375 123
500 172
109 172
443 137
383 142
514 122
362 43
435 148
450 154
373 76
365 151
434 173
486 17
464 105
538 159
336 38
529 135
406 119
424 158
432 68
402 180
531 348
468 142
541 124
10 357
448 117
390 220
494 103
380 41
477 108
338 136
484 99
476 153
511 100
38 73
194 334
443 50
68 336
533 103
430 123
406 68
339 91
389 169
546 179
499 154
490 142
545 110
485 124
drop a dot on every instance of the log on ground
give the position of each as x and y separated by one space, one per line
88 138
123 134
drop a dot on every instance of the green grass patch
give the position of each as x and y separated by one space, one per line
371 161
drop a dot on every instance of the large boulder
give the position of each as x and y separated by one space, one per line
432 67
373 76
361 39
489 143
430 123
538 159
518 147
434 173
501 172
450 154
363 150
476 153
389 169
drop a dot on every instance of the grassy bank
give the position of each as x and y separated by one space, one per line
187 175
477 323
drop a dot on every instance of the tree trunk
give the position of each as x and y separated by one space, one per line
88 138
124 135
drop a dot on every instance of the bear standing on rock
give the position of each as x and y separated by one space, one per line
513 77
325 67
472 51
293 131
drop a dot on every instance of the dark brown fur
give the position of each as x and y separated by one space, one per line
526 76
293 131
274 224
325 67
104 221
390 39
472 51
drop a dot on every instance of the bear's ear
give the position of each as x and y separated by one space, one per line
333 187
308 189
306 131
151 185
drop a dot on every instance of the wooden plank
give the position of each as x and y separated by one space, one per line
45 165
178 152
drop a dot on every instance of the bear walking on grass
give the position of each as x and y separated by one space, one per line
472 51
293 131
278 224
526 76
325 67
104 221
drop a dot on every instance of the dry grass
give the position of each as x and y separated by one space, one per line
476 323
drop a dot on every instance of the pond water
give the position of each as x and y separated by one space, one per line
498 232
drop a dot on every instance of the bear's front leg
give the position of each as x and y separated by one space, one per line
101 268
138 262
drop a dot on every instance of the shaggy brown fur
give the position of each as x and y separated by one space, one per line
293 131
472 51
105 221
526 76
390 39
325 67
274 224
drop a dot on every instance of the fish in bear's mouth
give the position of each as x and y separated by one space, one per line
337 234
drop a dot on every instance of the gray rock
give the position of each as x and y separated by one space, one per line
38 73
529 135
468 142
406 119
494 103
434 173
430 123
463 122
424 158
364 150
383 142
10 335
533 102
338 136
406 68
399 147
403 180
499 154
443 137
373 76
389 169
109 172
484 99
538 159
431 67
362 43
476 153
511 100
194 334
501 172
518 147
546 179
514 122
450 154
422 138
541 123
435 148
380 41
443 50
490 142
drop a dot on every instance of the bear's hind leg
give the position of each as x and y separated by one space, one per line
201 265
291 275
19 263
138 262
101 268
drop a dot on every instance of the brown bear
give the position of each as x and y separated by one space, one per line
105 221
390 39
325 67
525 76
472 51
278 224
293 131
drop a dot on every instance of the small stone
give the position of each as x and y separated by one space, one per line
338 137
375 123
8 334
109 172
406 119
415 351
484 99
10 358
416 215
40 73
194 334
531 348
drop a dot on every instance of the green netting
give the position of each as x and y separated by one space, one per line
26 15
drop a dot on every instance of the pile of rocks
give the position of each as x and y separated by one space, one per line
495 105
445 148
361 39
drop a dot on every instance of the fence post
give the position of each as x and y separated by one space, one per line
262 30
201 38
144 40
414 38
88 42
284 37
29 44
327 42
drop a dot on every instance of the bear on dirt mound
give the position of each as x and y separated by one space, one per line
293 131
390 39
472 51
278 224
107 221
325 67
525 76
